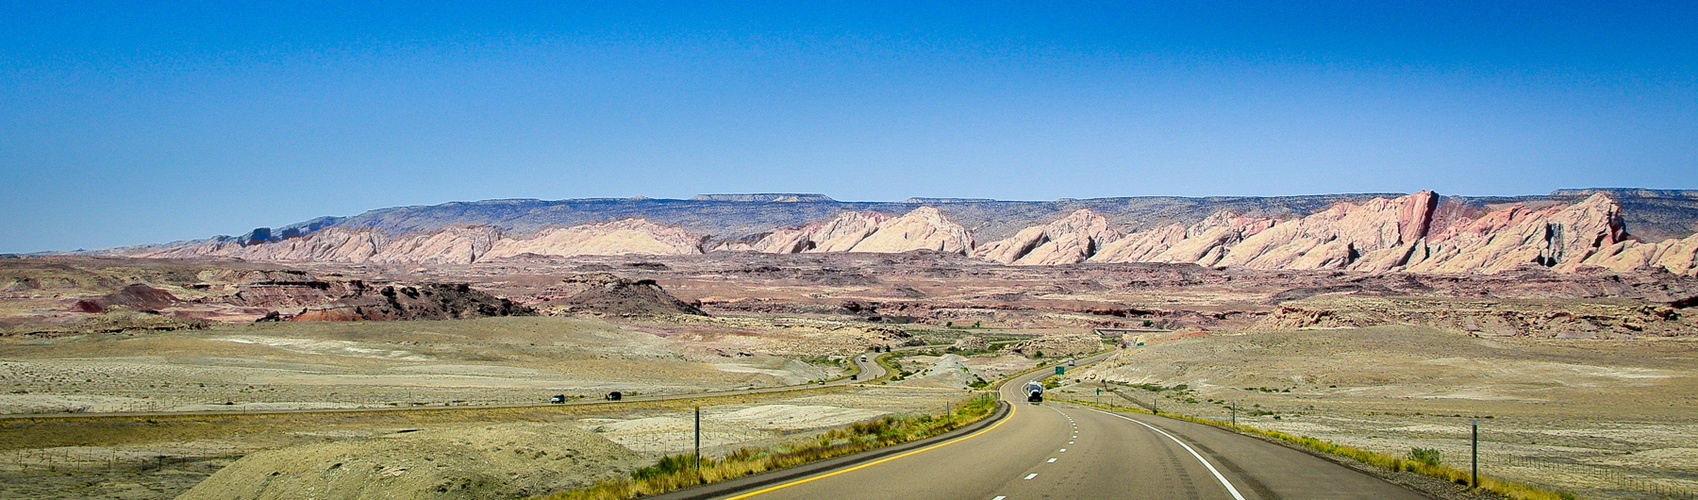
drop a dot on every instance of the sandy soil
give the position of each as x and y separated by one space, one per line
426 364
1589 416
492 461
376 364
469 452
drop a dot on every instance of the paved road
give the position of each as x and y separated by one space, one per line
1063 451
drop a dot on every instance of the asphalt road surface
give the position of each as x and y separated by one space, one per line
1063 451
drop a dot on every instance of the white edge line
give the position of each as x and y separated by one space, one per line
1222 479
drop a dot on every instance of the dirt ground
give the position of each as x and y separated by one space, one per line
271 366
1600 418
162 457
445 369
1585 382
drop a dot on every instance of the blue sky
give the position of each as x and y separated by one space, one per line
136 122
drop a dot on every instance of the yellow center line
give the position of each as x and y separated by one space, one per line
1011 409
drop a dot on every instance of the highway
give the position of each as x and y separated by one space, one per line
1064 451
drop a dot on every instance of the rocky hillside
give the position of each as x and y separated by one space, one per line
612 295
402 302
1422 232
1413 233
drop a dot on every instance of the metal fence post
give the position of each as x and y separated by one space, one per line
698 443
1476 455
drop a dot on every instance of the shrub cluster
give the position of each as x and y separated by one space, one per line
675 472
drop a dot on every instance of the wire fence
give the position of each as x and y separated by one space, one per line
85 458
372 401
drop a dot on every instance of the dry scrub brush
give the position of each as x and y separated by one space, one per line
675 472
1509 489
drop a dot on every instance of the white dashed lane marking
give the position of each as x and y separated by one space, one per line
1052 460
1030 476
999 497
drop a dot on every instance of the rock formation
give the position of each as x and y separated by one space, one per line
1204 243
1675 256
1419 233
1070 240
1339 236
837 234
449 245
629 236
1556 236
608 294
427 301
925 228
1413 233
137 296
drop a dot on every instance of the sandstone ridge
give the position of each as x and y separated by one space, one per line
1420 232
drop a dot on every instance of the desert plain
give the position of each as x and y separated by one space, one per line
270 366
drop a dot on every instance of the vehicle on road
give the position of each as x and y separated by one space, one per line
557 399
615 396
863 358
1034 392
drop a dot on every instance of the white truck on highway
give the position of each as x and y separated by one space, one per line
1034 392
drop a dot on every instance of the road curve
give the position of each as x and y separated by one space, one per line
1069 451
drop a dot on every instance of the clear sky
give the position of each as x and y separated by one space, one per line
135 122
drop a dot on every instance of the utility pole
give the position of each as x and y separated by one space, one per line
1235 414
1476 455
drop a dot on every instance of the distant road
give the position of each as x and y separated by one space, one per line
1064 451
